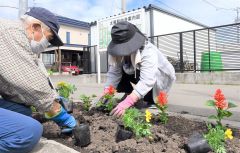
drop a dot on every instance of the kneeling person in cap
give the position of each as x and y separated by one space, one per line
133 59
24 84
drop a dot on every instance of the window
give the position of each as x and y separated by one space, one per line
68 37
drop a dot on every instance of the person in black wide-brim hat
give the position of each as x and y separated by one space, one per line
133 59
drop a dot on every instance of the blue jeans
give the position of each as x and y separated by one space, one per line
19 133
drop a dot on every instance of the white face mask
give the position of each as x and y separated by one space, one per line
38 47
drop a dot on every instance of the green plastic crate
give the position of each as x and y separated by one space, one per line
215 61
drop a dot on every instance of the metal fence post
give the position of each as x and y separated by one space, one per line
181 53
95 59
209 54
107 61
194 51
89 60
222 39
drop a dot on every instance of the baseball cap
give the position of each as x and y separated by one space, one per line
49 19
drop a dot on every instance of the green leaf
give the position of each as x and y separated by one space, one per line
210 103
227 113
212 117
99 104
231 105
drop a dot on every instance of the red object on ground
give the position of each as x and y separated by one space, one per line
71 69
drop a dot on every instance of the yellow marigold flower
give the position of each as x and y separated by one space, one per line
61 84
228 134
148 115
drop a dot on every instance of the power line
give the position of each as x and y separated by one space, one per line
227 9
9 7
173 9
218 8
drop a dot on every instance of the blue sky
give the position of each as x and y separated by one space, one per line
208 12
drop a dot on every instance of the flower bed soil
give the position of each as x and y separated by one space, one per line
169 138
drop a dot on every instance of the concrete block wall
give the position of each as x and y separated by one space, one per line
225 78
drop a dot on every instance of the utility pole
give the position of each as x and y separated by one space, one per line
23 6
123 6
237 20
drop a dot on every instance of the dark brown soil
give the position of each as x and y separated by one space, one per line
169 138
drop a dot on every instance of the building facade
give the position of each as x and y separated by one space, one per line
75 51
151 20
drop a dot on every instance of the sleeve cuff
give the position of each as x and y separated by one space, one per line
137 93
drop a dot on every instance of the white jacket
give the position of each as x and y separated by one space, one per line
156 72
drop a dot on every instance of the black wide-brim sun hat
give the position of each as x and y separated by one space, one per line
126 39
50 20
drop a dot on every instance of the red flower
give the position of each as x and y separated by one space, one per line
162 98
219 95
220 100
221 104
111 90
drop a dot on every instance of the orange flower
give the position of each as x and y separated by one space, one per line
219 96
111 90
162 98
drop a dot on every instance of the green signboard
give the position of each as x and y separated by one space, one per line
105 25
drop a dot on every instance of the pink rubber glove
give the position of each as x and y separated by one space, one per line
121 107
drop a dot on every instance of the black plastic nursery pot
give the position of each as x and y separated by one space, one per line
123 134
67 105
101 109
70 107
197 144
82 135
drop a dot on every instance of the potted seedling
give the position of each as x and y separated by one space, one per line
216 136
107 102
87 101
123 133
82 135
106 105
134 123
197 144
162 106
65 90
